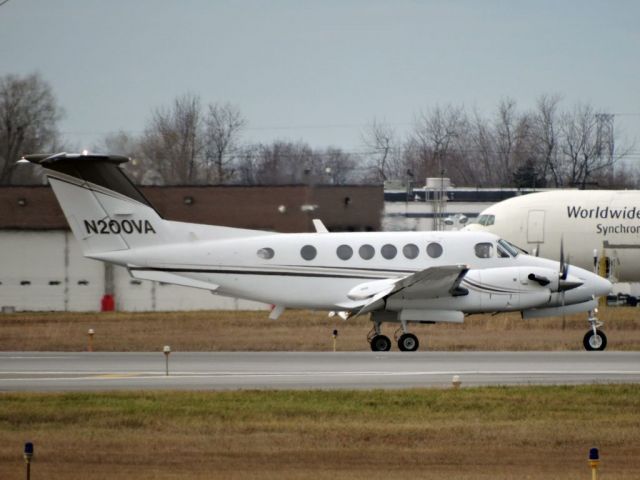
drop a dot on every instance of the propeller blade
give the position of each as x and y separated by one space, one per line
564 313
564 285
564 267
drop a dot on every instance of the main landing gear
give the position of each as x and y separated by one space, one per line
594 339
407 342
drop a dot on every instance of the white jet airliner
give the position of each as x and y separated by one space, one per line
401 277
596 223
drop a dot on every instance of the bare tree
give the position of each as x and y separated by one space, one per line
505 136
223 124
140 169
482 147
381 139
338 166
247 165
439 134
173 140
289 163
29 115
545 132
581 146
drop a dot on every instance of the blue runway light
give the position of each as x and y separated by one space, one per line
594 454
28 449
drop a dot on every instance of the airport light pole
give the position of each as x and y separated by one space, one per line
28 455
167 352
594 462
90 333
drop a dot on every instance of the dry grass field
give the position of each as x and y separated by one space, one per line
297 331
478 433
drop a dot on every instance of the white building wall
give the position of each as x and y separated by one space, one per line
418 215
33 276
45 271
86 279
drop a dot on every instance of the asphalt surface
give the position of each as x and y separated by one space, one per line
58 371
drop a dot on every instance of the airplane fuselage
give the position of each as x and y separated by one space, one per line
307 271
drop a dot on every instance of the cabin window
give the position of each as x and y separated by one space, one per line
366 252
308 252
410 251
266 253
434 250
484 250
389 251
344 252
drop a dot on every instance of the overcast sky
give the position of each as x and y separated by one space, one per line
319 71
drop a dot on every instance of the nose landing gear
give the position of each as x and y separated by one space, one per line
594 339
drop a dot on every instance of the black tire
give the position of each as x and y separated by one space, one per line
380 343
408 342
597 342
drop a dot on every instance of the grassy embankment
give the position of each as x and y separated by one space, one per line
297 331
534 433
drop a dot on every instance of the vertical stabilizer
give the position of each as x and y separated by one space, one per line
105 211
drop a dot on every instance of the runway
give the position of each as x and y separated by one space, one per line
57 371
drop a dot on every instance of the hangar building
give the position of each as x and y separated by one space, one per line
43 268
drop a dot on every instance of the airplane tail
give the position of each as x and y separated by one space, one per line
107 213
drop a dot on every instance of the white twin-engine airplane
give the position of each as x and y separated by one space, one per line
402 277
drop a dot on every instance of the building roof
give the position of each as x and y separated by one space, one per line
275 208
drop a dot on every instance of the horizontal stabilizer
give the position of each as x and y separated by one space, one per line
166 277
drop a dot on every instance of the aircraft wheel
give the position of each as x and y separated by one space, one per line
408 342
380 343
594 342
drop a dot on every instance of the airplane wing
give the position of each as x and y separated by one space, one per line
432 282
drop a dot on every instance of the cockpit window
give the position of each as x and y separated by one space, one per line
486 220
502 252
484 250
510 248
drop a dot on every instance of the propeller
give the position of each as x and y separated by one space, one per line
564 267
564 281
564 272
